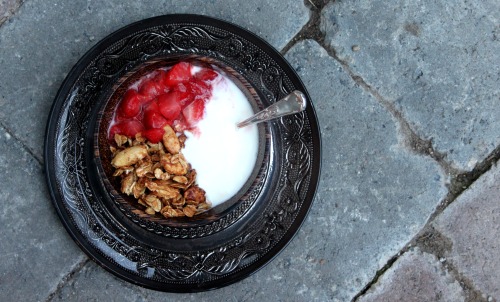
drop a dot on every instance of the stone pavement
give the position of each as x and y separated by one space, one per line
408 99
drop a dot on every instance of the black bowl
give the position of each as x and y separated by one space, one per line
100 123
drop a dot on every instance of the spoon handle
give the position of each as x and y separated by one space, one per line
294 102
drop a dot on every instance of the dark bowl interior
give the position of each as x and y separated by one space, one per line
103 155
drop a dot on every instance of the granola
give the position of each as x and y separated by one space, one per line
157 175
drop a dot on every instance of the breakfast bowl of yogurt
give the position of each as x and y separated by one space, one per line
147 168
168 149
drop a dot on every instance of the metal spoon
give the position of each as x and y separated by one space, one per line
294 102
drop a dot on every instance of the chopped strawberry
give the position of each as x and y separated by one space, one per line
151 106
153 135
153 119
130 106
128 128
183 94
173 96
151 88
119 117
169 105
112 131
161 78
180 73
179 125
206 74
194 112
199 89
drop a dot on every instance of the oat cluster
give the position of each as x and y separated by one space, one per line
157 175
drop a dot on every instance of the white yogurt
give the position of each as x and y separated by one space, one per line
222 154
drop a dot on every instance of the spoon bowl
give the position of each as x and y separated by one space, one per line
294 102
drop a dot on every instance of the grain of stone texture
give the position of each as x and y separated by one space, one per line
472 224
416 277
437 61
7 9
92 283
35 250
47 38
373 197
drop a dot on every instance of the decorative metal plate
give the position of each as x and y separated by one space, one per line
184 257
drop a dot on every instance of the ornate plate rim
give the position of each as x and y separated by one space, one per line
58 198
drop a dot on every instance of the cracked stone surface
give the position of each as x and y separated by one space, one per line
7 9
35 250
472 223
416 277
436 61
47 38
373 198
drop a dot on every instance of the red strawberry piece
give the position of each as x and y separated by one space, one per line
119 117
194 112
206 74
130 105
169 105
153 119
199 89
128 128
180 125
151 88
112 131
180 73
161 78
151 106
183 94
153 135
